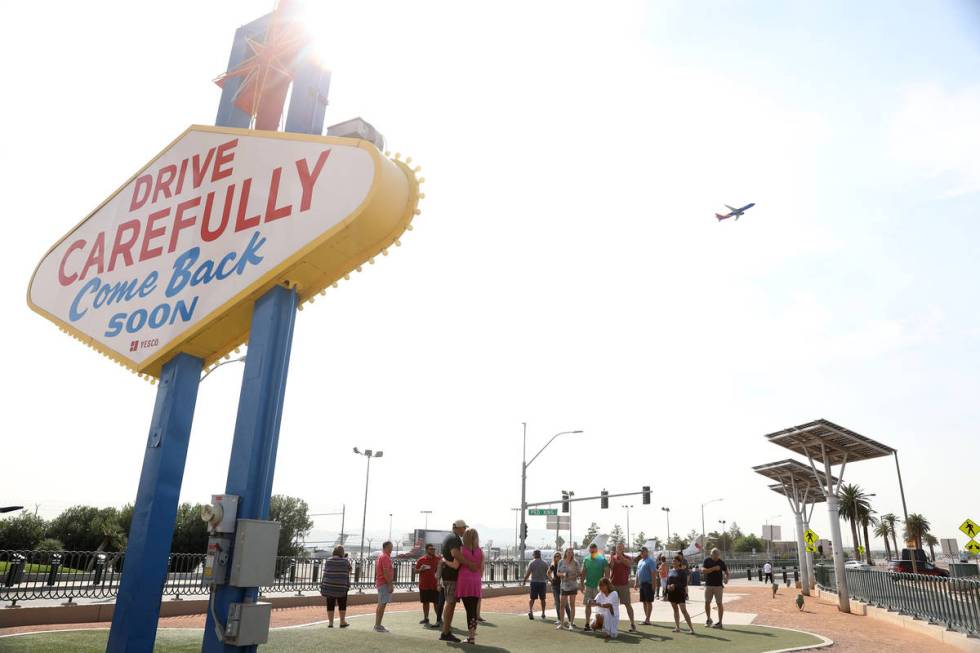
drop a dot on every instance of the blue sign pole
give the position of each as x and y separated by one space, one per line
253 452
134 619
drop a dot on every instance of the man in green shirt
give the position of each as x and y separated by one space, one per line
594 568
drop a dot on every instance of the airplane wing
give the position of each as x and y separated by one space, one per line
731 208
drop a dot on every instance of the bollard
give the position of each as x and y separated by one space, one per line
316 570
785 577
292 570
492 567
15 570
99 568
796 575
55 566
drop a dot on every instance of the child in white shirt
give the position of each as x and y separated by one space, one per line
607 605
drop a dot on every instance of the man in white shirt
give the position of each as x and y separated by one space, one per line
767 570
606 603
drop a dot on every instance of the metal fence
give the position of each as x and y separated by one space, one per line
951 602
71 575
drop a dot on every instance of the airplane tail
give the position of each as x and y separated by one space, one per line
600 541
721 217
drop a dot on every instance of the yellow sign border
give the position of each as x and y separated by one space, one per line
380 220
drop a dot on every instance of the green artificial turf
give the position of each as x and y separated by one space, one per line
502 633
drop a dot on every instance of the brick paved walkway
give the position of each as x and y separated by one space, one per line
851 634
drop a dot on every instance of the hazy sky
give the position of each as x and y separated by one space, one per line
566 269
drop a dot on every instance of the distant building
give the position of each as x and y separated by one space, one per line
772 532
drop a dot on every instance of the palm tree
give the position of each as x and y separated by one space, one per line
891 519
883 531
867 518
916 526
931 542
852 503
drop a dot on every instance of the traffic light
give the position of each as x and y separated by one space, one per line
605 499
524 531
564 501
646 495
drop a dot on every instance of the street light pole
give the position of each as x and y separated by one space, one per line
426 513
369 454
667 543
723 538
629 542
391 517
525 463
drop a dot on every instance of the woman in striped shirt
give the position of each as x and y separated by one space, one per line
335 584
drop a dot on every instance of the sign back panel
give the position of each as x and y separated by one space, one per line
173 260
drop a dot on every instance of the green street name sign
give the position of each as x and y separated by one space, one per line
538 512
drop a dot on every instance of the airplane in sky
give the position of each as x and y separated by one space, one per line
733 212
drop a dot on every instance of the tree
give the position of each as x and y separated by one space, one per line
677 543
49 545
106 525
294 520
882 530
867 519
931 542
916 526
74 528
852 502
748 543
639 540
891 519
22 532
735 532
190 531
616 536
591 533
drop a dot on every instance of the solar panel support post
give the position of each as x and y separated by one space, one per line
801 550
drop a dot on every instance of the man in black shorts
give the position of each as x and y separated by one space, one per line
450 552
426 567
715 573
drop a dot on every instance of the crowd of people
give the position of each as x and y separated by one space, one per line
455 574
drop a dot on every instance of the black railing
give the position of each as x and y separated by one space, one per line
952 602
71 575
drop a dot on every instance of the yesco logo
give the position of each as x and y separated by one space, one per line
217 218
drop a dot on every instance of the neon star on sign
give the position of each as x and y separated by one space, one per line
173 260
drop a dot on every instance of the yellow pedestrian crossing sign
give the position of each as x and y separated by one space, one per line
970 528
810 538
973 547
860 550
810 548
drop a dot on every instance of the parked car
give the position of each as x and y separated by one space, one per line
857 564
926 568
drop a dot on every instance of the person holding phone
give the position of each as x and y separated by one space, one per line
428 585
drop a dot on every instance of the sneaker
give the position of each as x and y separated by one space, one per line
718 626
675 630
329 625
381 629
569 627
424 622
632 629
438 624
588 628
530 615
558 625
448 638
543 617
708 622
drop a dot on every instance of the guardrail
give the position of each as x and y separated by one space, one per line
71 575
952 602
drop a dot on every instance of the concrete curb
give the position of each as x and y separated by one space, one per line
102 612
